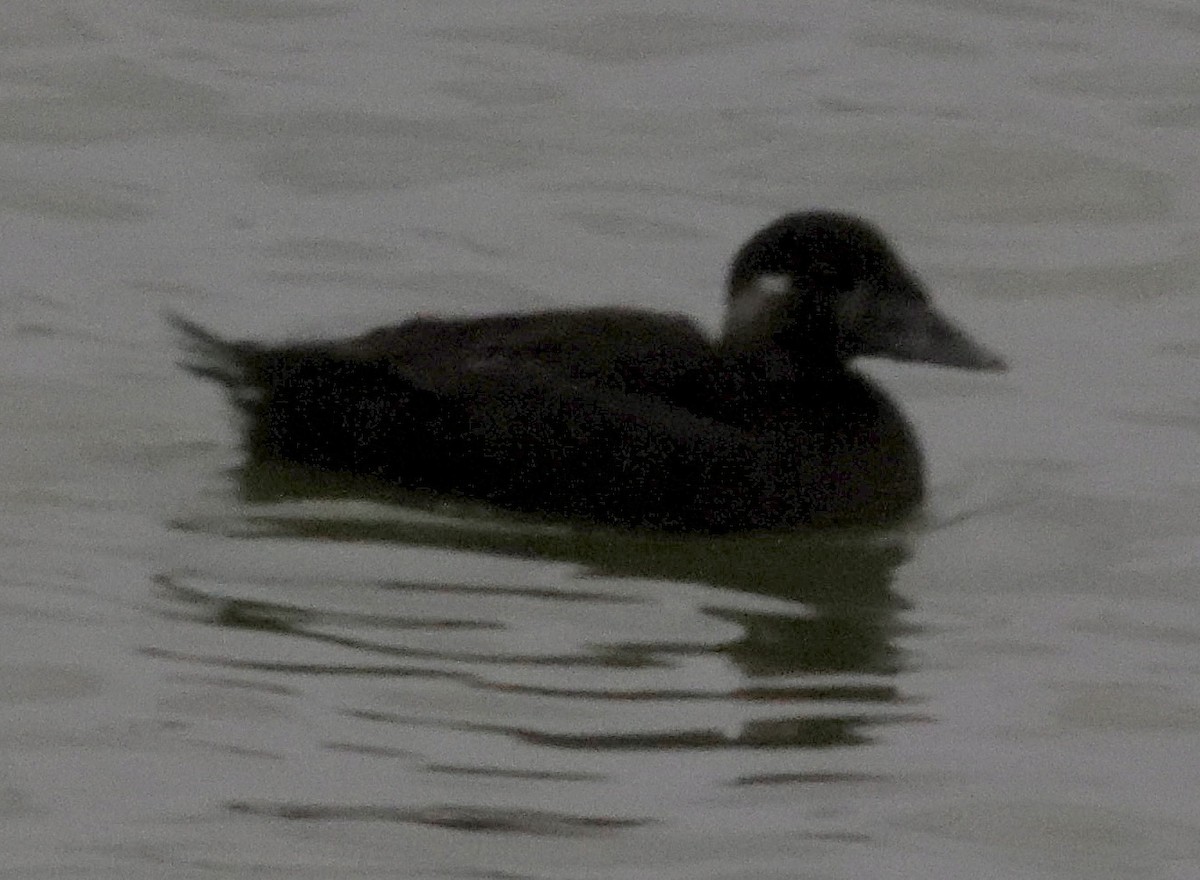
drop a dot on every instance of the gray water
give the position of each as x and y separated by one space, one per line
200 683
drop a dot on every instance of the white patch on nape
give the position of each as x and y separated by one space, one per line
771 283
752 302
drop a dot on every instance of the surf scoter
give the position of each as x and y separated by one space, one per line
621 416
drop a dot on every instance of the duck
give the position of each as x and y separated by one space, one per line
625 417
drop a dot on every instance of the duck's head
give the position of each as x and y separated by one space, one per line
829 287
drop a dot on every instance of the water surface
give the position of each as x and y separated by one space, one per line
198 682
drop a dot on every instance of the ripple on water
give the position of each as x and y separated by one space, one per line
105 99
557 685
630 37
332 152
957 174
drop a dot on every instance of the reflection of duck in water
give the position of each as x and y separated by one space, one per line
816 664
628 417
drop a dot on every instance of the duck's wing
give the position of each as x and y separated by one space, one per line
514 432
630 350
523 437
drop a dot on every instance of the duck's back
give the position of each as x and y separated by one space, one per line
626 350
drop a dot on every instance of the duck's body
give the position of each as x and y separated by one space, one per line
627 417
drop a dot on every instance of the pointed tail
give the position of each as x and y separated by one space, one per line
209 356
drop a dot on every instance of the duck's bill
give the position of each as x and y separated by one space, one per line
922 334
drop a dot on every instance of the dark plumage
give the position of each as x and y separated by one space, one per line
621 416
